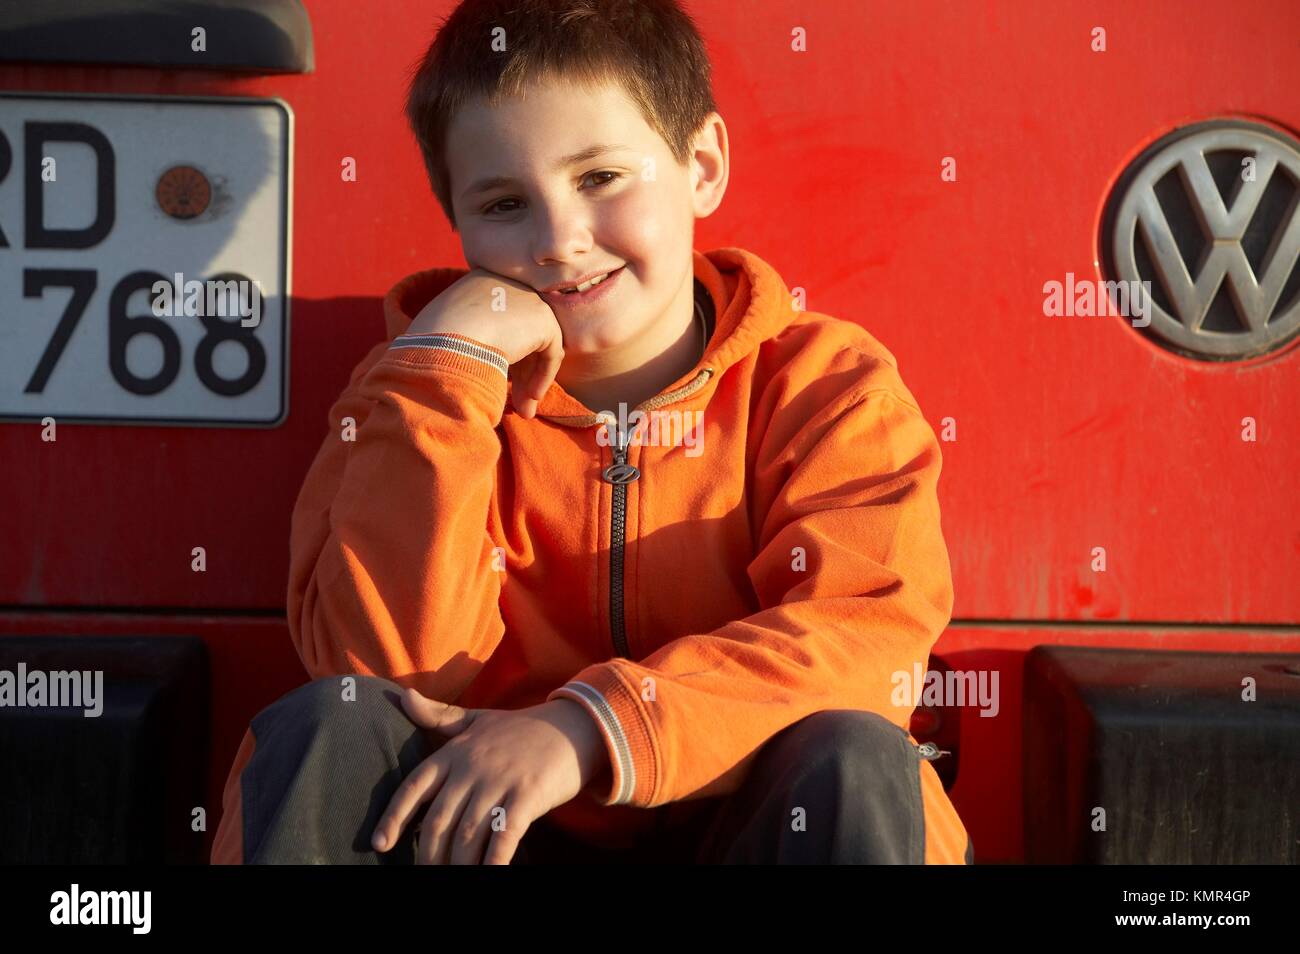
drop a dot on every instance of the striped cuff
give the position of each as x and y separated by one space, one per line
627 737
452 350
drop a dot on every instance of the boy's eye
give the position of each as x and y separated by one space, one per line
495 206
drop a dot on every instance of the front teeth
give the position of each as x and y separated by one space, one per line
583 287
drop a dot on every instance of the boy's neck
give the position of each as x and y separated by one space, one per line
644 367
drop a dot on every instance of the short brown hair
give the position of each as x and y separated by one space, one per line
650 47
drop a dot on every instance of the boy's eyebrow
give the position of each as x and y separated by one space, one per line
591 152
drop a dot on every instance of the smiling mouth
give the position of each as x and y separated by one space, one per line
587 285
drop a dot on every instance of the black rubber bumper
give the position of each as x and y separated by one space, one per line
1140 757
120 787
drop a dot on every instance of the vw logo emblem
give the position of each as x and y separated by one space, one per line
1210 215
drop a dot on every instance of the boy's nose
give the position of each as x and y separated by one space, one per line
558 237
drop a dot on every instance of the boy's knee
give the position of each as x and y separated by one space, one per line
854 753
848 737
335 702
855 778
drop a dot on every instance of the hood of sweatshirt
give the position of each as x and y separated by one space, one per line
751 304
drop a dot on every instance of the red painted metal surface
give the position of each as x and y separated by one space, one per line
1072 433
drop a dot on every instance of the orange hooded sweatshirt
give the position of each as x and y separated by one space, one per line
777 553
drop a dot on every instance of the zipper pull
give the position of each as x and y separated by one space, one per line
619 472
929 751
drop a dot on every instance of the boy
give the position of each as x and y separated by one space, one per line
625 549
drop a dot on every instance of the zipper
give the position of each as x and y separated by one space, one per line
620 473
929 751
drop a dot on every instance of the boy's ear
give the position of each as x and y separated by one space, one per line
710 165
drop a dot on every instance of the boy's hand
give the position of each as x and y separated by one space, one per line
524 761
526 331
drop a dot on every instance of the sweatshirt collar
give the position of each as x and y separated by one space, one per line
751 304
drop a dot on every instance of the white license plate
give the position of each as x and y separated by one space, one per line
102 198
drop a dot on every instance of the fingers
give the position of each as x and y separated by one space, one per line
467 835
416 789
503 844
534 376
521 375
470 837
439 822
432 714
527 407
546 368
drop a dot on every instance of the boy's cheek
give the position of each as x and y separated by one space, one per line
635 227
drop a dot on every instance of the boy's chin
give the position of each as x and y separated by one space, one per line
592 336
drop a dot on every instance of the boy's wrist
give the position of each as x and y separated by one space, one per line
581 729
435 321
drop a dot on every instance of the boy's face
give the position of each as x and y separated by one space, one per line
632 207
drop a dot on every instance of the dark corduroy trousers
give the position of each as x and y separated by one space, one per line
838 786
